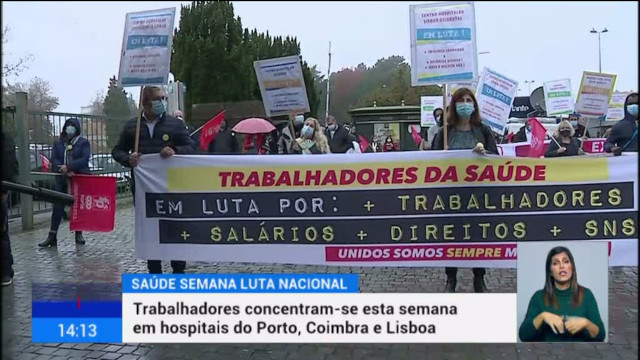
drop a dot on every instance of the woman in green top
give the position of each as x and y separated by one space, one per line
564 310
465 131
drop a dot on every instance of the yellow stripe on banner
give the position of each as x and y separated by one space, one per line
420 173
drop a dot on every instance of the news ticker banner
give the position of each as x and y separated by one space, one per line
225 308
447 208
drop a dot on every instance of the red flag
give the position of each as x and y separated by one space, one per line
45 163
364 144
210 130
94 208
510 137
416 136
538 134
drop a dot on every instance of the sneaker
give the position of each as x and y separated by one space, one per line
7 280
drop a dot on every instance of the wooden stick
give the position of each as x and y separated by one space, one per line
444 116
137 139
586 128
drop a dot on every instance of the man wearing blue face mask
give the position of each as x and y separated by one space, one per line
285 141
624 134
338 137
580 130
159 133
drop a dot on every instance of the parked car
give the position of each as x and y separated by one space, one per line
104 164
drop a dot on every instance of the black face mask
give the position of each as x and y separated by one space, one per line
565 133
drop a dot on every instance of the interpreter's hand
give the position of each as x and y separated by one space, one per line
133 159
562 149
576 324
167 152
554 321
479 149
63 169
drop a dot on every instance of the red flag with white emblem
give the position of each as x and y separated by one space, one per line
210 130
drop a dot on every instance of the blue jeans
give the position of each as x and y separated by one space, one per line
7 257
58 208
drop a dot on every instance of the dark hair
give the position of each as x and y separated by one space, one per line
452 115
550 297
147 93
436 110
70 121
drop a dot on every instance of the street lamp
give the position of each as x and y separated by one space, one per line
529 84
593 31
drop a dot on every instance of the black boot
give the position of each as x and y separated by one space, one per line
52 240
451 284
79 238
479 285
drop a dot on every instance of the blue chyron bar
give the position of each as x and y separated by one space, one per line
76 313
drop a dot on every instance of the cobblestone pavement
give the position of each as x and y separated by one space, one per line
106 256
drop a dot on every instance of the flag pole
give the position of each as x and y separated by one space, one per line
326 113
444 116
137 140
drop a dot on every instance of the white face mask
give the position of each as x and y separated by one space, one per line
71 130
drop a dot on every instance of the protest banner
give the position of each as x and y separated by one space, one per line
427 105
557 97
616 106
146 48
282 86
595 93
495 95
439 208
94 208
591 146
443 43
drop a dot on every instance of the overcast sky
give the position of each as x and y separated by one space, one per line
76 45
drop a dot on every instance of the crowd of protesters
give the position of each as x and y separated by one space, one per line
167 135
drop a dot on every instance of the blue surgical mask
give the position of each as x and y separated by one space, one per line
159 107
573 123
633 109
464 110
307 132
299 119
71 130
333 127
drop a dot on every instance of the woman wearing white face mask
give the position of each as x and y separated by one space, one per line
70 155
312 140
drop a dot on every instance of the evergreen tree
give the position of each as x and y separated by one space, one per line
213 55
116 111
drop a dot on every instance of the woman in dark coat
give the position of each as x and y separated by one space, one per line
70 155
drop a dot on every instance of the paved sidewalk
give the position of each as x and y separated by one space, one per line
107 256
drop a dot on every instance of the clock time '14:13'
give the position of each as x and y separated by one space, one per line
78 331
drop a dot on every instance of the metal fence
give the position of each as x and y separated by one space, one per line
43 129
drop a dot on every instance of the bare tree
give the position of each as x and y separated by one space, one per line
12 68
97 104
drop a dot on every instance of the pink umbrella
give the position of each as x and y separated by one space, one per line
254 126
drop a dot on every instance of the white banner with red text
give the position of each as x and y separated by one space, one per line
437 208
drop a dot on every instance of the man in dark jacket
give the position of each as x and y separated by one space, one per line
9 173
580 130
70 155
159 133
338 136
225 142
624 134
523 134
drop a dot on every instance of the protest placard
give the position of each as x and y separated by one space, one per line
423 208
557 97
471 85
282 86
595 93
443 43
616 106
495 95
427 105
146 48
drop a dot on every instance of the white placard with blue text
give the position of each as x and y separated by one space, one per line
282 86
495 95
146 48
443 43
